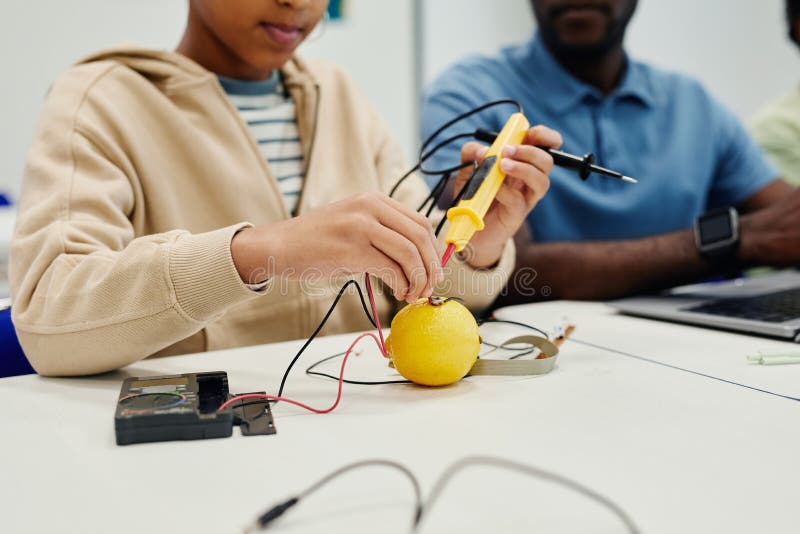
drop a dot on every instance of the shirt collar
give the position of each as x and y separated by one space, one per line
234 86
563 91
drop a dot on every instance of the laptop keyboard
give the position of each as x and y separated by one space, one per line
771 308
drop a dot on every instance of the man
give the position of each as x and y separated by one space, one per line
777 126
605 238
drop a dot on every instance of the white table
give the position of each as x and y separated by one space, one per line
712 352
678 451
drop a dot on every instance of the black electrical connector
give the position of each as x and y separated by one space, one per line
278 510
275 512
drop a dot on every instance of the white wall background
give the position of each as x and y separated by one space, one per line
737 48
476 27
374 43
39 39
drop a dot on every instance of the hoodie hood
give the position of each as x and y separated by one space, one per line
172 70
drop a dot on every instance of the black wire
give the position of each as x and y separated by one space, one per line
525 469
466 114
440 226
455 137
424 157
523 351
447 170
321 325
424 154
515 323
504 347
438 195
422 509
310 372
403 179
434 194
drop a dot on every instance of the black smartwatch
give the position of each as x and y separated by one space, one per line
716 233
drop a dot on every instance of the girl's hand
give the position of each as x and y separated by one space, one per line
369 232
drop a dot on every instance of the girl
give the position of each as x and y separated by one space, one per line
177 202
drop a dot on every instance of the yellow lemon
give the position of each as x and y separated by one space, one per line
434 345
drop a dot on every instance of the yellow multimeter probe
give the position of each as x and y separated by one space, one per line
467 217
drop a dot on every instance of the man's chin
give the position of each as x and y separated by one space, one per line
584 50
581 40
583 47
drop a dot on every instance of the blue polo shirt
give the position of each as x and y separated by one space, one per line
688 152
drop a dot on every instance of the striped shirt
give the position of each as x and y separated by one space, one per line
269 112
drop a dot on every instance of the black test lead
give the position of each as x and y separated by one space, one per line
583 165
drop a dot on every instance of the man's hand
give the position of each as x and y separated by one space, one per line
771 235
369 232
527 169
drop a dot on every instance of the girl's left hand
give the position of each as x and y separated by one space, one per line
527 169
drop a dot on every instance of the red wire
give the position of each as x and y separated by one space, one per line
375 315
447 253
378 340
300 404
381 345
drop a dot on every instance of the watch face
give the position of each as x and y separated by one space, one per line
714 228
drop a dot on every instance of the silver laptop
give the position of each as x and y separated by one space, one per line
767 304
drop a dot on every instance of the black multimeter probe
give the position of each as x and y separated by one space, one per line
584 166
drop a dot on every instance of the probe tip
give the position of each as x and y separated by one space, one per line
451 247
631 180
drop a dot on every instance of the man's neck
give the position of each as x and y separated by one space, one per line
602 72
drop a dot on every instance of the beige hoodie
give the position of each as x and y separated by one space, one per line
139 175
